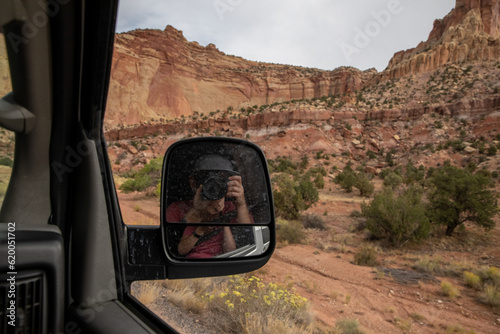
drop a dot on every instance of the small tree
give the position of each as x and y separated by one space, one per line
414 174
319 182
459 196
393 180
397 218
291 197
346 179
364 184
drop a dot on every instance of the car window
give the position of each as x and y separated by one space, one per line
6 136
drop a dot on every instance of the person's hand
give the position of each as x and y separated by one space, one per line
235 189
201 230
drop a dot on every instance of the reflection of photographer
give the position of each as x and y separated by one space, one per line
218 193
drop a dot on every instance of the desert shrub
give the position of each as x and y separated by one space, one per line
457 145
437 266
472 280
319 182
492 150
347 326
249 305
430 265
397 218
146 291
449 290
364 185
187 294
147 177
317 170
290 232
6 161
292 196
393 180
414 174
489 276
346 179
371 155
282 164
313 221
389 160
490 296
367 256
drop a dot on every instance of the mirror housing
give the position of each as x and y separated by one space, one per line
217 213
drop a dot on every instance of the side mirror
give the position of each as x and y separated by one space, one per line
216 207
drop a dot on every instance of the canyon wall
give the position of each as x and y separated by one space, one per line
159 74
469 33
237 127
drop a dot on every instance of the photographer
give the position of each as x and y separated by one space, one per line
219 193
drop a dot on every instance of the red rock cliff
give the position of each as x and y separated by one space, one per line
470 32
159 74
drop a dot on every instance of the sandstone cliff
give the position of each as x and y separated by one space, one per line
469 33
159 74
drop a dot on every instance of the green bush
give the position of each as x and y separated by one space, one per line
490 296
347 326
282 164
397 218
149 176
367 256
492 150
364 184
413 174
490 276
346 179
6 161
292 196
371 155
393 180
319 182
290 231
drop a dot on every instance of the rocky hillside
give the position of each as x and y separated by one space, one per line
159 74
469 33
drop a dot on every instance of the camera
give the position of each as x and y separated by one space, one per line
214 186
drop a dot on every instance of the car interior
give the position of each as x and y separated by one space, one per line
67 259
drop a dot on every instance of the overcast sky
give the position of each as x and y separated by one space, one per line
324 34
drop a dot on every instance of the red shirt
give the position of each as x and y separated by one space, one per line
207 248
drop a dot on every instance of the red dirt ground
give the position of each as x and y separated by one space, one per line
403 301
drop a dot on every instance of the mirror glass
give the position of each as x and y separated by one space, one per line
217 241
216 199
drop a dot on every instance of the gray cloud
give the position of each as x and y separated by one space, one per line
317 33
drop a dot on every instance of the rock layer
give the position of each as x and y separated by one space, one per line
159 74
469 33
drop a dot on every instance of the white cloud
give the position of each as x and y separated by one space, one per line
306 33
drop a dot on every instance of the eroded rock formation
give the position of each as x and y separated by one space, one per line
469 33
159 74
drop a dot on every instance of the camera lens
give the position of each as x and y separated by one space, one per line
214 187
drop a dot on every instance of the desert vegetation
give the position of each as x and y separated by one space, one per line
412 200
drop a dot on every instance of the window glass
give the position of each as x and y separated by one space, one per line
6 136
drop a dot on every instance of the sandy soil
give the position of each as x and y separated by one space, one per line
392 298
